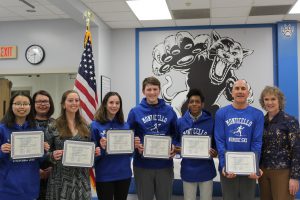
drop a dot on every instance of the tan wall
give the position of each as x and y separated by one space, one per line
5 87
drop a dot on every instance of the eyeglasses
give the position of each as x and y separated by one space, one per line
19 104
45 102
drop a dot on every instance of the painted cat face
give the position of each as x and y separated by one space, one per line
226 54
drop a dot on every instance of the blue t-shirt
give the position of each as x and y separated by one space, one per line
238 130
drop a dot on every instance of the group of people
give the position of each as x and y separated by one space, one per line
239 127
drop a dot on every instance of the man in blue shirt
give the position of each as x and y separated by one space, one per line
238 127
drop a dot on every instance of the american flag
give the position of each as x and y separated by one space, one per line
85 83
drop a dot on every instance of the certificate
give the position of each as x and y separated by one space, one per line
241 163
195 146
78 153
157 146
119 141
27 144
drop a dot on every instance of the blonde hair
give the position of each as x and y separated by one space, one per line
272 90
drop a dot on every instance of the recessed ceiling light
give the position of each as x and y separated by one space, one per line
150 9
296 8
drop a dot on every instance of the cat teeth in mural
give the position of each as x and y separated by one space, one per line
226 54
209 63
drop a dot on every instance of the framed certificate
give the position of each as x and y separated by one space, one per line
119 141
195 146
78 153
241 163
27 144
156 146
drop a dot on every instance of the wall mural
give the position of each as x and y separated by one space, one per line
207 61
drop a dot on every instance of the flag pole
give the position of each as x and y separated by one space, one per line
88 16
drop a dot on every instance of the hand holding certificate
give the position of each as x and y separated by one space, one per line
27 144
78 154
119 141
195 146
157 146
241 163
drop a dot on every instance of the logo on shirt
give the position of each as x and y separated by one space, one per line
238 131
155 127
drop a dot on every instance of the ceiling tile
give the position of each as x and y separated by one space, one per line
230 12
40 10
273 2
6 13
191 14
292 17
157 23
54 9
192 22
10 3
230 3
118 16
270 10
184 4
109 6
264 19
228 21
124 24
43 2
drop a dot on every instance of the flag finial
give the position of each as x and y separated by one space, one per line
88 15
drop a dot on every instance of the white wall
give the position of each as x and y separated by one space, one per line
63 43
123 66
61 39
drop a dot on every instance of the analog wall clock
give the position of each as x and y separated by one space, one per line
35 54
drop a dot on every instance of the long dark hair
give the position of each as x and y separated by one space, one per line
9 118
44 93
62 124
101 114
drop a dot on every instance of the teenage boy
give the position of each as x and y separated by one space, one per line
153 177
197 172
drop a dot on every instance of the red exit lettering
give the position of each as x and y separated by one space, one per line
5 51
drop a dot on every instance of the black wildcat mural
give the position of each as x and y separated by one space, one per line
209 63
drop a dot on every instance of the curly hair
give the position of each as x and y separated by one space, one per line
272 90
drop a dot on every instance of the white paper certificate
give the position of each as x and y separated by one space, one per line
157 146
195 146
27 144
241 163
119 141
78 154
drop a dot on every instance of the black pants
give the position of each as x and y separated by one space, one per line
114 190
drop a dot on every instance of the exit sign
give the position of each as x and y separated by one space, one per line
8 52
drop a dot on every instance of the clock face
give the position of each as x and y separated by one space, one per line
35 54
